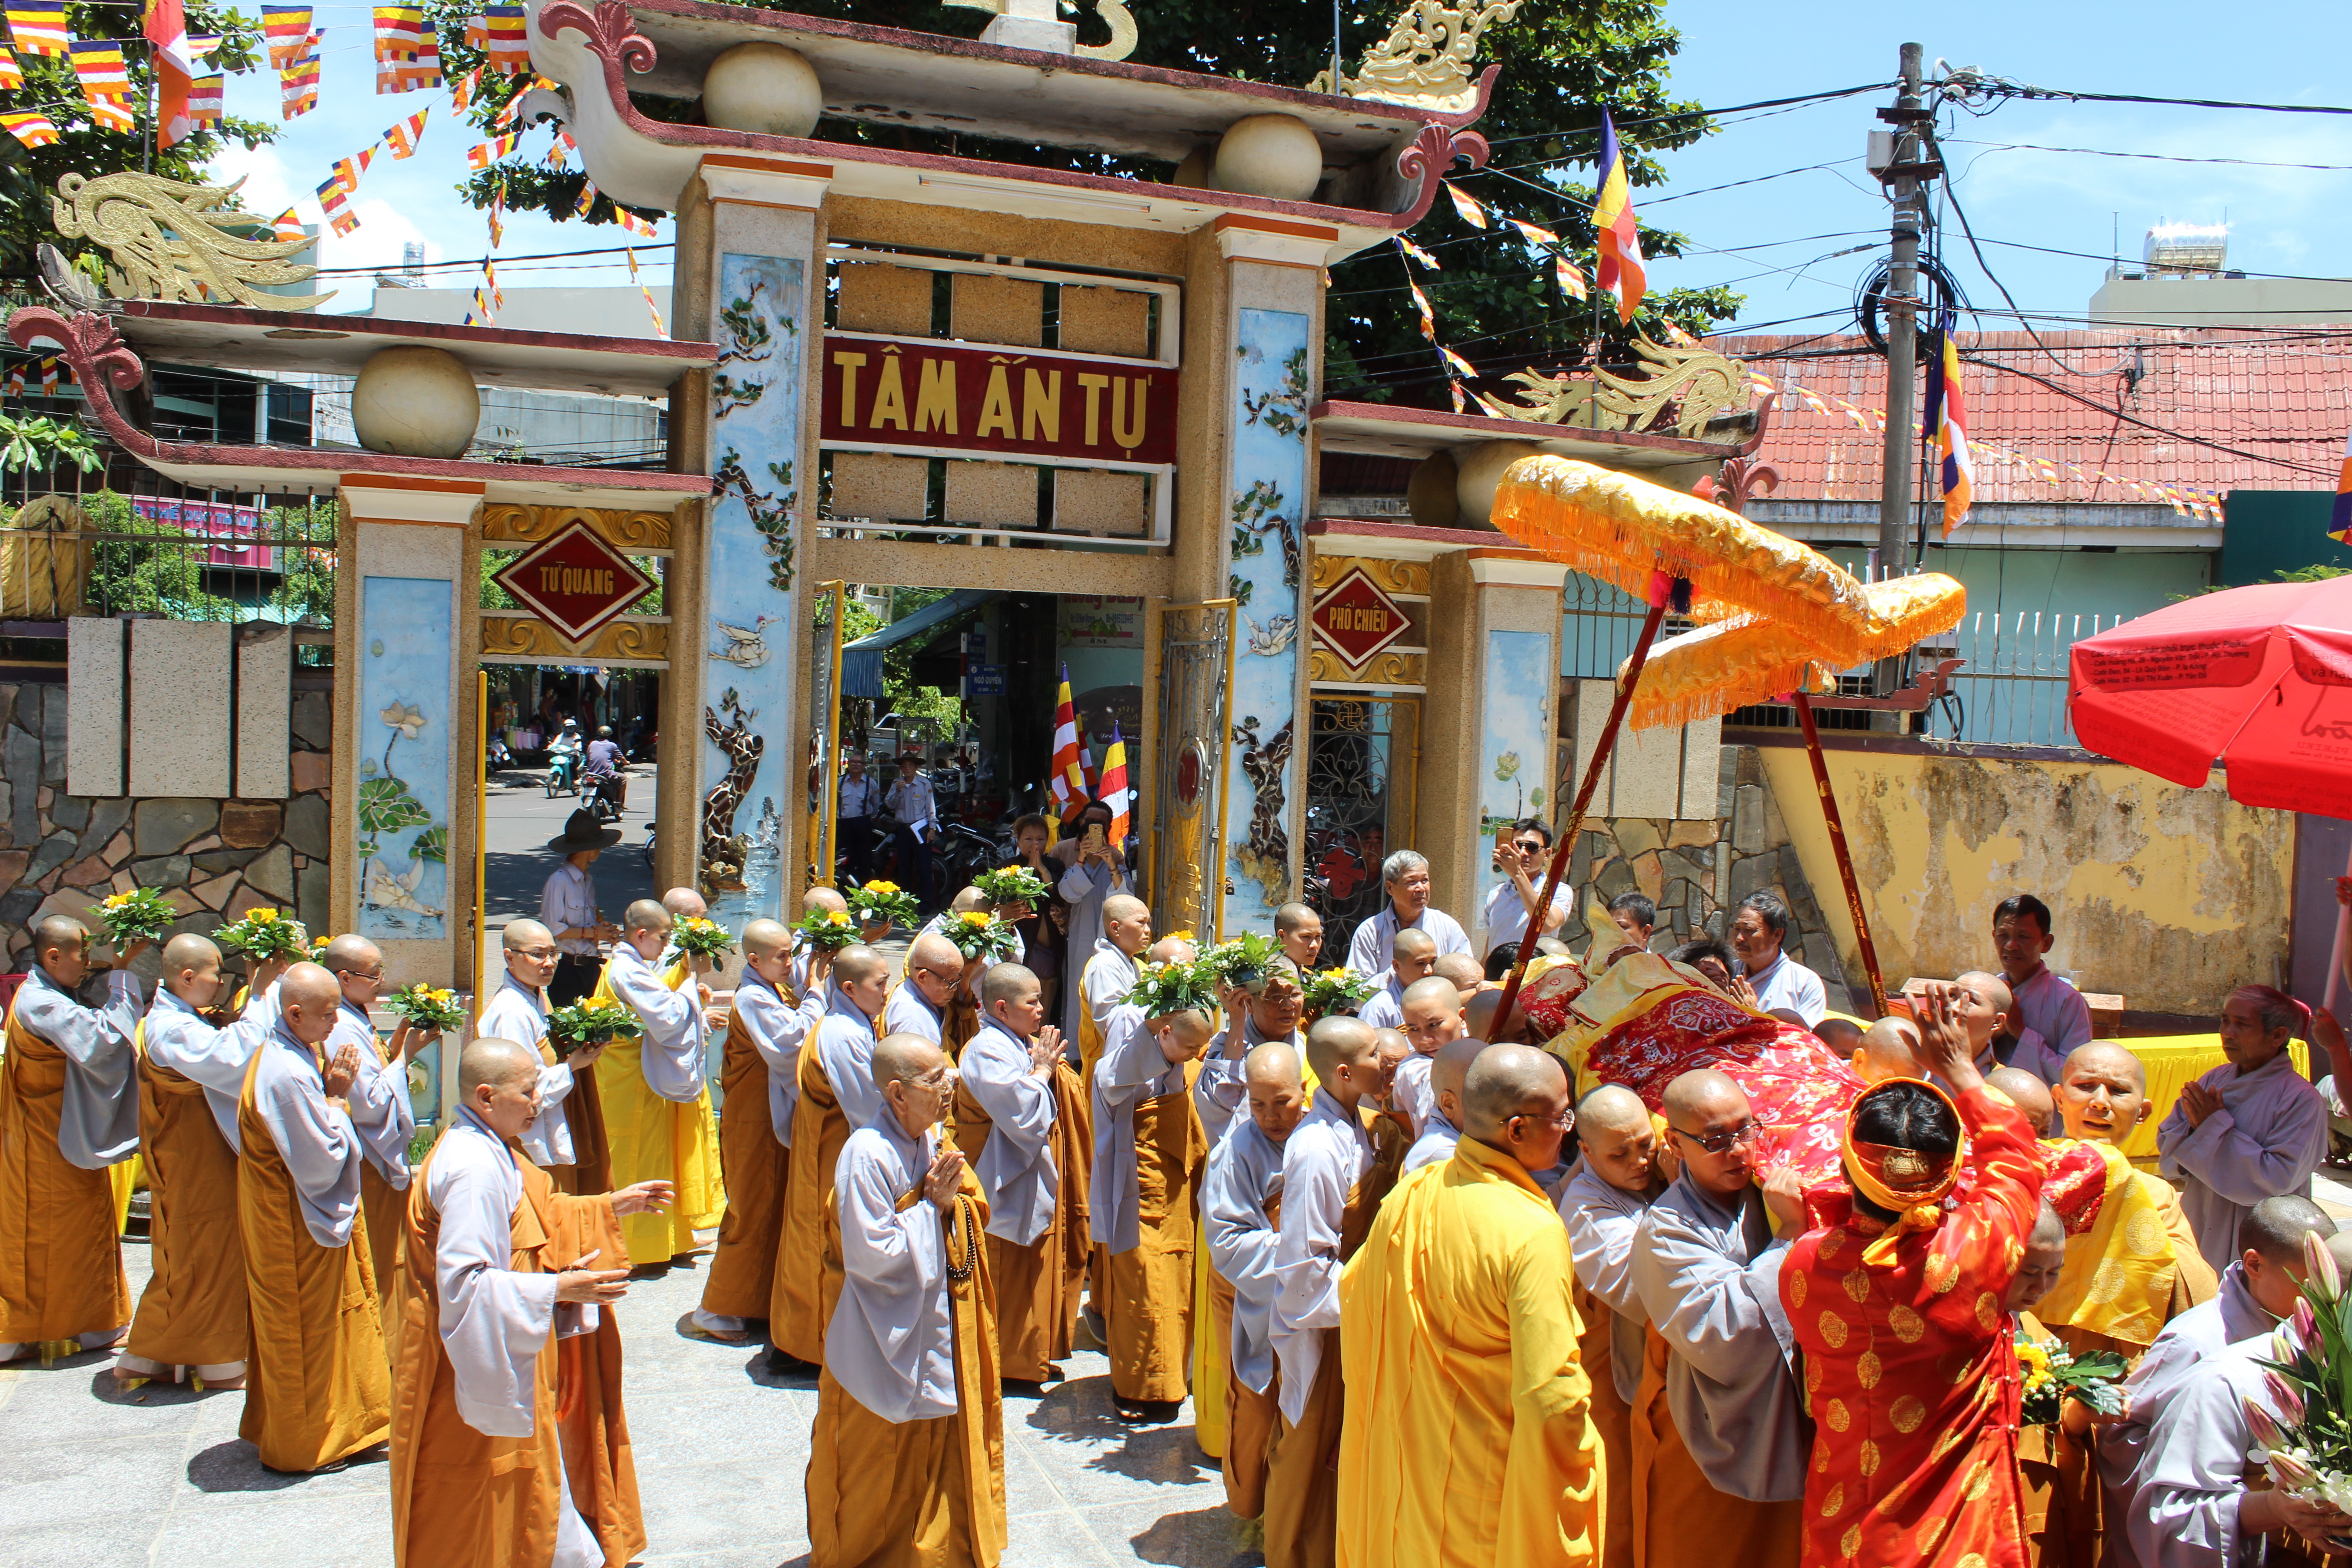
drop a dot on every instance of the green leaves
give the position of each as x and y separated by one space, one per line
433 844
42 443
387 806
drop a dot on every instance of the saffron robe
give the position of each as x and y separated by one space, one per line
68 1108
836 1097
1909 1366
1458 1335
2060 1478
319 1387
1148 1156
658 1125
1241 1210
566 1139
193 1312
1028 1138
1600 1220
383 1116
2132 1263
765 1031
477 1471
906 1464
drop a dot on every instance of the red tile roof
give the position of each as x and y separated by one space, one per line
2227 412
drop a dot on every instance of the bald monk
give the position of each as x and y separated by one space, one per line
652 1088
1441 1130
1240 1200
1459 1338
2057 1469
1616 1180
1889 1048
494 1280
1412 956
379 1104
1333 1179
1110 973
805 955
922 1003
1469 978
1148 1156
906 1463
68 1108
566 1139
319 1390
1480 1023
759 1073
2132 1262
1720 1448
1298 932
1266 1008
2009 1043
1433 1016
1022 1122
2029 1094
192 1316
838 1097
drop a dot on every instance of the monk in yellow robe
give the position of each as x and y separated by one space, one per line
68 1108
838 1097
655 1100
319 1389
489 1287
2057 1467
2132 1261
1148 1156
907 1462
1458 1337
379 1102
1026 1126
192 1316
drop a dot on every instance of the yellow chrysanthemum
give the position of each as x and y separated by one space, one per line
2034 1358
262 915
975 919
884 888
836 918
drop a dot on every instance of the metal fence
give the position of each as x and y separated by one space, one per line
2010 688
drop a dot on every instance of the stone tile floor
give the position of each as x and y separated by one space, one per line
97 1479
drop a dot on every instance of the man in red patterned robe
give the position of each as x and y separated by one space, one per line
1897 1303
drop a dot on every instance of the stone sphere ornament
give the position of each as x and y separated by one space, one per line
416 402
1272 155
764 89
1476 473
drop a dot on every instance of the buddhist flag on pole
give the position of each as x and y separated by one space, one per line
105 83
1614 226
1069 787
2340 521
1948 418
39 26
1115 791
166 28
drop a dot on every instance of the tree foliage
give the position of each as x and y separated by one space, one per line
1494 299
28 177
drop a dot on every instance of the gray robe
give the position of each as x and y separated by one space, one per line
2269 1136
1133 1070
519 1012
1015 1166
314 1136
844 1047
1709 1278
778 1031
1328 1153
670 1055
178 1038
1084 888
379 1103
1601 1220
910 1012
1438 1137
1219 1094
1245 1176
2184 1511
98 1123
891 1343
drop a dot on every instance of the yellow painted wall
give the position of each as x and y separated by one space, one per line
2170 897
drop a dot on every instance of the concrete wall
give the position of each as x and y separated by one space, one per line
2224 301
2168 897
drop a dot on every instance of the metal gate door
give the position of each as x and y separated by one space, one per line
1188 845
1362 754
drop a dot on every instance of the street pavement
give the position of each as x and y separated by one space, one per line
98 1479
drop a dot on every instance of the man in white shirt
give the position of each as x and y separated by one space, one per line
911 807
1405 877
1523 855
567 906
2045 1003
861 801
1781 984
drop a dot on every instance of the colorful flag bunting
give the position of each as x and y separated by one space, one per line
49 378
32 129
207 97
463 93
1468 205
661 331
499 33
287 30
165 26
287 226
15 383
498 295
1569 276
344 221
1459 365
11 75
407 50
1535 234
1421 303
562 149
587 197
489 153
643 227
37 26
401 137
1619 236
497 208
298 83
1418 254
105 82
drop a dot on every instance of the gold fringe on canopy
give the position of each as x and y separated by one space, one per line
1621 529
1731 664
1717 668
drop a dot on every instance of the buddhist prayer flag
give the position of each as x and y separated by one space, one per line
643 227
287 226
1569 277
343 221
1614 226
1115 791
497 206
407 50
37 26
1535 234
15 382
348 171
2340 521
489 153
1418 254
32 129
166 29
105 83
500 35
49 378
11 76
463 93
1069 787
587 197
1948 418
498 295
661 330
1468 205
298 84
560 149
207 96
287 29
402 137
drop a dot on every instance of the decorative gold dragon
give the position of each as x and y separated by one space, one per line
1424 62
1695 383
172 240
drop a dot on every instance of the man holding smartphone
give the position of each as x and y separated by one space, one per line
1523 855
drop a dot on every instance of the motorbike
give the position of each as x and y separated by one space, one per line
562 773
604 798
497 757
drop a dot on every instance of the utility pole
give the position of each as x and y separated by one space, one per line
1908 167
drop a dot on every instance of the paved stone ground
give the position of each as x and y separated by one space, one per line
98 1479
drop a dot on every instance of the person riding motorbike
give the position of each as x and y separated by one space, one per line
602 771
564 760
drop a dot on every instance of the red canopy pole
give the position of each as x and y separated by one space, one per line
1661 590
1844 856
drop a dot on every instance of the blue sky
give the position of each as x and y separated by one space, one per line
1760 237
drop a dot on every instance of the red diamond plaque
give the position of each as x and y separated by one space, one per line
1358 619
574 582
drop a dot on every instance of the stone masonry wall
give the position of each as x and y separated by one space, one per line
1697 871
214 859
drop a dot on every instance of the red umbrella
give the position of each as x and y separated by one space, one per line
2257 679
